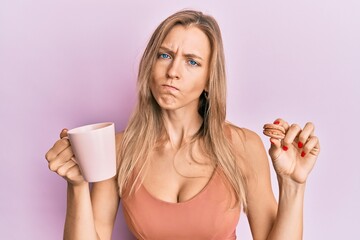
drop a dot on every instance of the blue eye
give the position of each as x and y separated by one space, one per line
164 55
193 63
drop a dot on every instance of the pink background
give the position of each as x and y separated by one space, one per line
68 63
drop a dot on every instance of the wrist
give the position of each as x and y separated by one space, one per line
78 187
286 184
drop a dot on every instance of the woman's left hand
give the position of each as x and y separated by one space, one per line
294 156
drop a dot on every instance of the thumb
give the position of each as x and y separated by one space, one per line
275 148
63 133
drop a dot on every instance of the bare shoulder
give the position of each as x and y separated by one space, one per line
249 149
242 137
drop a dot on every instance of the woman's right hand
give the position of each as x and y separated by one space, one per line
61 160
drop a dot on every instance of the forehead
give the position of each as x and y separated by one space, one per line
190 40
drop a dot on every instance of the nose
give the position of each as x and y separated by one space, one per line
173 71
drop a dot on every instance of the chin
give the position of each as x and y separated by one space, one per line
168 106
167 102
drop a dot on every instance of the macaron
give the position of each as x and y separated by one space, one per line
274 131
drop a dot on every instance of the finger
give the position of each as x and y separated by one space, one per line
73 173
61 159
282 123
275 148
312 146
307 131
73 159
290 136
62 170
58 147
63 133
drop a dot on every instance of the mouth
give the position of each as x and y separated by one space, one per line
170 87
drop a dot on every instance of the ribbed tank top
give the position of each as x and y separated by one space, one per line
209 215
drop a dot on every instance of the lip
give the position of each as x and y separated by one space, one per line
170 87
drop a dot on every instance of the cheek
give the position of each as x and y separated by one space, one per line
201 81
152 85
196 88
156 76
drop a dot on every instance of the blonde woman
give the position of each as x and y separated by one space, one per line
183 171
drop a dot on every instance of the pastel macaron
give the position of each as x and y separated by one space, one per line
274 131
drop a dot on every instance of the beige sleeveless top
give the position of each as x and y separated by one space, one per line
209 215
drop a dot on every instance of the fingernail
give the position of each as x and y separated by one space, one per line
285 148
271 141
300 144
303 154
277 122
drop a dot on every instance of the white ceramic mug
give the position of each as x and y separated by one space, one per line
95 151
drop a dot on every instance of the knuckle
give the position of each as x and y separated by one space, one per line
306 148
61 171
61 144
301 137
65 155
69 153
52 166
70 174
65 170
64 142
315 138
295 126
49 155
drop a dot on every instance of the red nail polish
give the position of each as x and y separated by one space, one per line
303 154
277 122
285 148
300 144
271 141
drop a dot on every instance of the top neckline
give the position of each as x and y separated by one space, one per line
183 202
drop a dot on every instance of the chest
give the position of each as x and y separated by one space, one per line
177 175
207 215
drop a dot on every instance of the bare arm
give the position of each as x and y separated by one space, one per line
289 220
79 223
105 202
91 215
262 207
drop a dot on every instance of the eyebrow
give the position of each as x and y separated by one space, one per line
188 55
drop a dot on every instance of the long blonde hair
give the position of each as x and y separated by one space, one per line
146 126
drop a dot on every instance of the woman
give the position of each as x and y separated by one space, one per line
183 171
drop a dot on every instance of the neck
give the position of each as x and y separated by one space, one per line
181 126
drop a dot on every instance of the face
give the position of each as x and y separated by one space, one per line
181 71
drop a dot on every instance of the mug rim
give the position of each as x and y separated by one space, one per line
89 128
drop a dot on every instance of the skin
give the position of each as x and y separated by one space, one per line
178 79
183 63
